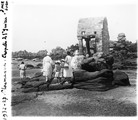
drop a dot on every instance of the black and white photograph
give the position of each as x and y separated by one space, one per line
65 58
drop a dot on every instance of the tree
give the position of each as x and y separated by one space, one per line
41 54
22 54
29 55
123 48
133 47
58 53
73 48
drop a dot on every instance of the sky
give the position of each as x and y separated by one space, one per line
45 26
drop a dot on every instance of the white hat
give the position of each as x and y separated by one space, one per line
62 60
57 62
76 52
48 53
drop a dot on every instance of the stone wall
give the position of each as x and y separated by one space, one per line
98 24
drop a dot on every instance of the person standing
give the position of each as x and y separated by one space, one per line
76 61
47 67
62 68
57 71
22 69
67 72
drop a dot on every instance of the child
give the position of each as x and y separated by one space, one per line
62 68
57 71
22 69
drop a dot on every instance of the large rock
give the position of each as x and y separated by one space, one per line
82 75
121 78
30 89
55 87
23 81
33 84
102 80
29 66
92 64
121 37
38 74
96 81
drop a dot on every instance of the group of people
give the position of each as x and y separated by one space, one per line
60 69
65 67
54 70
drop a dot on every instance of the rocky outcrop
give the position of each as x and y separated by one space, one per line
38 83
120 78
96 81
29 88
103 80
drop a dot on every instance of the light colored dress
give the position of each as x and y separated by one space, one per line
76 62
67 72
62 69
57 70
47 67
22 69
